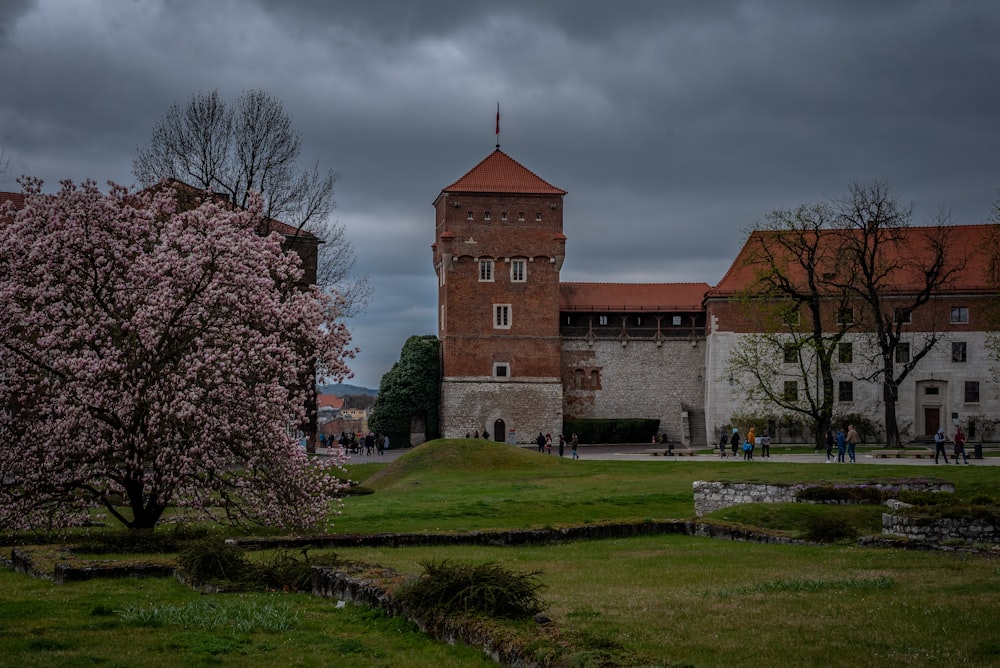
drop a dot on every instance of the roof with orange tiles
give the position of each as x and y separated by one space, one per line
619 297
329 401
967 245
499 173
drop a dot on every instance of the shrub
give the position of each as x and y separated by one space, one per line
824 529
213 559
448 587
852 493
612 431
288 572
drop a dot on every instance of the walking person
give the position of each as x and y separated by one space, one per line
573 445
765 446
960 444
829 445
852 442
562 445
841 439
723 443
939 440
735 441
548 444
540 442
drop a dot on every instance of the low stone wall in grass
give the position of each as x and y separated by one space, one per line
927 529
712 495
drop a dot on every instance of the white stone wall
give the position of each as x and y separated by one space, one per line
526 406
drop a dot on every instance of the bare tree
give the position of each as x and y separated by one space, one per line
789 362
896 269
251 147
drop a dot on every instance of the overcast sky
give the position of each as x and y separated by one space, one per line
674 126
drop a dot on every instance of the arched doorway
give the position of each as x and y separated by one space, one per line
500 431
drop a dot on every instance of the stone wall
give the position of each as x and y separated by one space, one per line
643 378
710 496
938 529
527 406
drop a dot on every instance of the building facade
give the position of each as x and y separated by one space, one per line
521 350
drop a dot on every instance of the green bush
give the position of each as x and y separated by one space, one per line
613 431
448 587
852 493
286 571
213 559
825 529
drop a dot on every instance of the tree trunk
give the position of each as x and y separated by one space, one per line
889 394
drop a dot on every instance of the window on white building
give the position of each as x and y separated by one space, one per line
902 352
958 351
845 390
972 391
845 353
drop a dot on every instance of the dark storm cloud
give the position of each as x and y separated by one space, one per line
673 125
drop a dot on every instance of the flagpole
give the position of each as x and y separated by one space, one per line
498 126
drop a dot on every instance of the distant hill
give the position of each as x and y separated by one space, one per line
342 390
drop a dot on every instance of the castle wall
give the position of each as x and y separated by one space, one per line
526 406
642 379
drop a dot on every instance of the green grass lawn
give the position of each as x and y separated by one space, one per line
663 600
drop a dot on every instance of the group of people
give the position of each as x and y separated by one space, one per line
356 443
940 439
846 443
736 444
544 443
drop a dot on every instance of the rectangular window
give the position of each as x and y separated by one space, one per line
972 391
791 392
468 216
958 351
503 215
602 320
845 316
960 314
791 353
518 270
845 353
486 270
501 316
442 317
501 370
676 321
538 217
845 390
520 216
902 353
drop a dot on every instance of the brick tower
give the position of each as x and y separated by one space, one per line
499 247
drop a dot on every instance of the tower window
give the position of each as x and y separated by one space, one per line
501 370
468 216
518 271
538 217
503 215
486 270
501 316
520 216
486 216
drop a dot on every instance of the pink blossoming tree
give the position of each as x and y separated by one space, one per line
152 358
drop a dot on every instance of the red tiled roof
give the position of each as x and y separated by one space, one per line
620 297
16 198
499 173
968 242
329 401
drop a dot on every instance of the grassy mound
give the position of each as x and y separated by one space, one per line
465 455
